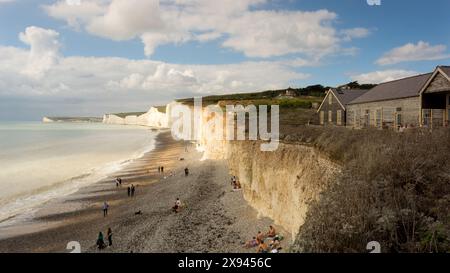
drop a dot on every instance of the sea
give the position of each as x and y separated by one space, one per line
43 161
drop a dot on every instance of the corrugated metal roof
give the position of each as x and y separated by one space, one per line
347 95
403 88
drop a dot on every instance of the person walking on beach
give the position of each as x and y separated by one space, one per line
105 209
132 190
159 169
100 241
129 191
109 236
162 169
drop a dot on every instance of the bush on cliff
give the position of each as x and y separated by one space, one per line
394 189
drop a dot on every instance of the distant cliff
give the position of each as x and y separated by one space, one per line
71 119
155 117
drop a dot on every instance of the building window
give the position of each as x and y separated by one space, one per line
426 117
339 117
322 117
367 118
330 98
378 116
358 117
350 118
330 116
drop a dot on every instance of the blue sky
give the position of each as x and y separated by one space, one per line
146 52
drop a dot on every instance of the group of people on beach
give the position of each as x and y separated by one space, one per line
101 241
235 183
118 182
131 190
160 169
261 239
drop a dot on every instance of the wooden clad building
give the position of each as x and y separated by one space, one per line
422 100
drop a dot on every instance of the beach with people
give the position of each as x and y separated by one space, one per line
168 200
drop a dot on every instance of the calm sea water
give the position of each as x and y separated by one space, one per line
39 162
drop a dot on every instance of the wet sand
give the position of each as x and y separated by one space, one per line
214 218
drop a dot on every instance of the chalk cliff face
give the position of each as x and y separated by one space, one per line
153 118
279 184
113 119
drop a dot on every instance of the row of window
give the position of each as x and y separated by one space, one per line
377 118
330 117
382 117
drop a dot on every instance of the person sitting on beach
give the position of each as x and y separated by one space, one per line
233 181
100 242
275 244
262 248
237 185
186 172
252 243
272 233
260 237
177 206
105 209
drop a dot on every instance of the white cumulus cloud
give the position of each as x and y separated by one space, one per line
422 51
104 84
254 32
381 76
44 50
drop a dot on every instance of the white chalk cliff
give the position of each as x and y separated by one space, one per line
153 118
